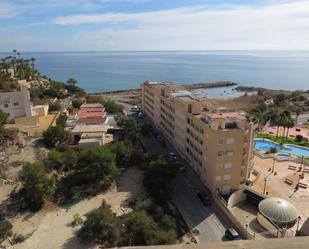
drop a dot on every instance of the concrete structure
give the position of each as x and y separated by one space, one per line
217 143
276 212
16 104
286 243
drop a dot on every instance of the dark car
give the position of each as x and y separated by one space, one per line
231 234
204 198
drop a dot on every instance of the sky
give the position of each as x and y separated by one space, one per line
109 25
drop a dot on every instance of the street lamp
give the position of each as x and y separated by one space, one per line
265 180
301 163
273 168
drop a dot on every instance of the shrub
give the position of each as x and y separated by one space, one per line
5 229
76 103
298 138
54 107
37 185
77 220
54 136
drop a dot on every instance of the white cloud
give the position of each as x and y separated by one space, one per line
277 26
8 10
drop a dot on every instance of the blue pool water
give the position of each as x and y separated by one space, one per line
283 156
290 149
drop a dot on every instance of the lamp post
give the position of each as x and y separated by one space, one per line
301 163
273 167
265 180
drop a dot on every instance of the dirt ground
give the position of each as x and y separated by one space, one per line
51 227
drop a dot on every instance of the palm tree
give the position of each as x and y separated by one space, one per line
289 124
32 63
298 112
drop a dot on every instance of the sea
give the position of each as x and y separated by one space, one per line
120 70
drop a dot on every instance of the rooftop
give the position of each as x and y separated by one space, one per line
278 210
91 105
227 115
89 128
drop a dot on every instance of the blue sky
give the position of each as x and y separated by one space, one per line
92 25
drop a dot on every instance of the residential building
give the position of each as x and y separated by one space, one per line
16 103
216 142
90 126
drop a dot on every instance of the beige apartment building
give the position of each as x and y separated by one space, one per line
216 142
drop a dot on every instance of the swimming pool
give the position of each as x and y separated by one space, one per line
265 145
283 156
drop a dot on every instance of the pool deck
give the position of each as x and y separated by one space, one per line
277 187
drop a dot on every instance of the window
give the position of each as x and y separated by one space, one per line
220 153
228 165
6 105
230 153
221 141
218 178
16 104
227 177
230 140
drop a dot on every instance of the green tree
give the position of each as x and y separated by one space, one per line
141 229
55 160
61 120
76 103
3 122
71 82
158 177
124 151
55 136
5 229
97 165
37 185
103 226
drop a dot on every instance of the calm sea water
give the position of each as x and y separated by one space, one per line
105 71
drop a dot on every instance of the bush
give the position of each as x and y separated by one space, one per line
37 185
54 107
77 220
101 225
158 177
5 229
55 136
3 121
298 138
76 103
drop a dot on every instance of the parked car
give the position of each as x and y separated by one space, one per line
204 198
231 234
172 155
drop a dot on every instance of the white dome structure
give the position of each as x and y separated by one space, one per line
278 211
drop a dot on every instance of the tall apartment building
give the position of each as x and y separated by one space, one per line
16 104
217 143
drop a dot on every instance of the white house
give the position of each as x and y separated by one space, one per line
16 104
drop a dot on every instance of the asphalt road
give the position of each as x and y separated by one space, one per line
196 215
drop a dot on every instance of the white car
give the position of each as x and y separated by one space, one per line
172 155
